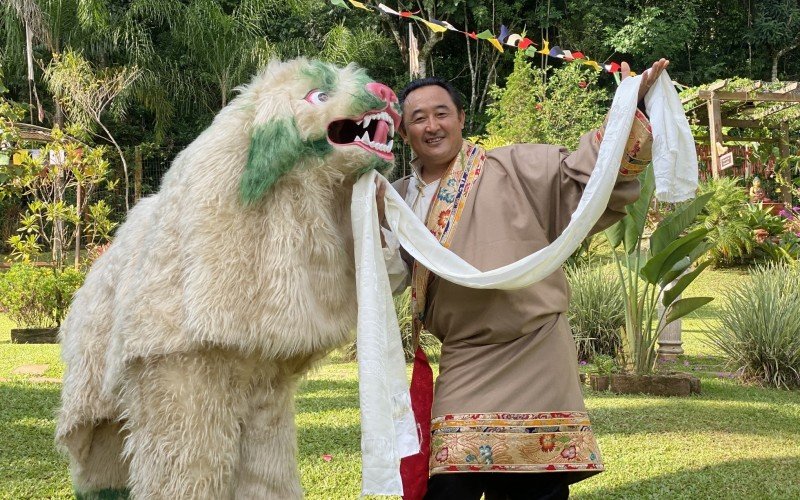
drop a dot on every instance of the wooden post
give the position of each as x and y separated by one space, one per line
715 132
137 174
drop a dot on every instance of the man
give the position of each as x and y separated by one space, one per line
508 417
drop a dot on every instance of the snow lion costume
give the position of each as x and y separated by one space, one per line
186 343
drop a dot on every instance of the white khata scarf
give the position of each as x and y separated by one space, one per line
388 430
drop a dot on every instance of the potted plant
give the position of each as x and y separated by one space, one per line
36 299
604 366
645 274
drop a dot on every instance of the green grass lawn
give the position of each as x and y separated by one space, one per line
733 441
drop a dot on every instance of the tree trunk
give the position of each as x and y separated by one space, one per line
425 52
775 59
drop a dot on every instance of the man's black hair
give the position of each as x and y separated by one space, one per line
432 80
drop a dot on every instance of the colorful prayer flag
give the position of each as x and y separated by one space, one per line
503 34
556 52
436 28
545 48
388 10
496 44
525 43
513 40
340 3
358 4
593 64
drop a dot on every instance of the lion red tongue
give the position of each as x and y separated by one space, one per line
381 132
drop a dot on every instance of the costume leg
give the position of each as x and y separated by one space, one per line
268 464
183 413
100 468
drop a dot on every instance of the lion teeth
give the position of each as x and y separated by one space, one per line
367 120
390 144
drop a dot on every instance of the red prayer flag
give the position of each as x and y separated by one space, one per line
525 43
578 55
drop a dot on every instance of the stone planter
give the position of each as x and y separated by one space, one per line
34 335
599 382
668 384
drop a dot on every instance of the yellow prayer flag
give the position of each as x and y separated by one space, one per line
438 28
593 64
545 48
358 4
496 43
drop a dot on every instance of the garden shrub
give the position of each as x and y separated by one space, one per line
742 232
38 296
547 106
596 310
728 227
760 325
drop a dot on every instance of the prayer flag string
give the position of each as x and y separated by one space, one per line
505 38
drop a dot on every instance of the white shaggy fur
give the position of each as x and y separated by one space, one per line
190 334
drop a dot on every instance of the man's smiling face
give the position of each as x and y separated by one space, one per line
432 125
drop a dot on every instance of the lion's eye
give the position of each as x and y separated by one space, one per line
316 97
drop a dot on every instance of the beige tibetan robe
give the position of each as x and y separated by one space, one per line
508 395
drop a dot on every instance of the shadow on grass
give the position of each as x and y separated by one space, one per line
27 423
22 400
766 478
327 395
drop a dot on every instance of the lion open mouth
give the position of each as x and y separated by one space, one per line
373 132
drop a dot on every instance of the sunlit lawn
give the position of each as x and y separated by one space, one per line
733 441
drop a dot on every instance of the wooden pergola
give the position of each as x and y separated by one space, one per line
754 107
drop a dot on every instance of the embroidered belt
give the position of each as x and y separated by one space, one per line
514 442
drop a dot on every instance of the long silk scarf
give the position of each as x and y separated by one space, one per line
387 421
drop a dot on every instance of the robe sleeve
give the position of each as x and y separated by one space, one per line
574 169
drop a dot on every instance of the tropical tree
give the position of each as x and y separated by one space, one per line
87 93
776 26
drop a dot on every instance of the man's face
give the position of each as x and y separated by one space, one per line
432 125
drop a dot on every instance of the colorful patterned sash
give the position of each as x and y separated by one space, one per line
443 216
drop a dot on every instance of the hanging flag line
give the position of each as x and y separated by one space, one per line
521 42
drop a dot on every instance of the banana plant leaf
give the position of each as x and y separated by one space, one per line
676 271
671 294
684 306
676 222
637 211
629 229
661 263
